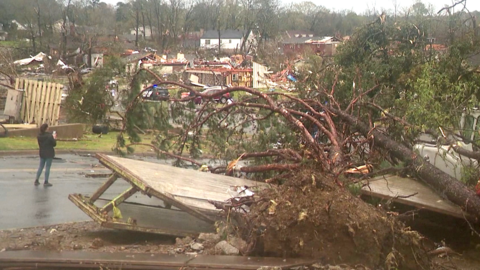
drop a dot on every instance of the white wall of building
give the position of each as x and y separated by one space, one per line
225 43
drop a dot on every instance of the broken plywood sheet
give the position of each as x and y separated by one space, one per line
189 191
183 186
410 192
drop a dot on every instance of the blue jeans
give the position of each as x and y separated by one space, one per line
43 162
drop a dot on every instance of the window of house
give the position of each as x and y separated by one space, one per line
230 41
207 41
235 77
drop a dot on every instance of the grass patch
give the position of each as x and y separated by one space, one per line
18 143
92 142
89 142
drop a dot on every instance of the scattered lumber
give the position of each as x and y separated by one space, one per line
20 126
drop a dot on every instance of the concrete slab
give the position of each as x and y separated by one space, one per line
82 260
90 260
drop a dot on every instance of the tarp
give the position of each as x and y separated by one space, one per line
291 78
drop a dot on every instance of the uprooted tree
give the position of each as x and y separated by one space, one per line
367 106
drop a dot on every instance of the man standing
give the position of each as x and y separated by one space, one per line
46 143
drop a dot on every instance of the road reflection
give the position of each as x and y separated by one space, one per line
41 204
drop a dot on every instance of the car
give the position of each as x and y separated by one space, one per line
155 93
212 91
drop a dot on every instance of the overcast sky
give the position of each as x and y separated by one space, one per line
359 6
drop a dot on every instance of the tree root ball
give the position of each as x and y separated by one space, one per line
311 216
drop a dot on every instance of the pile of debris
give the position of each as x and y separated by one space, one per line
210 244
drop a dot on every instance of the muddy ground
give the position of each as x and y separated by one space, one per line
90 237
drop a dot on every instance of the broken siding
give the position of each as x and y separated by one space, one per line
260 78
205 77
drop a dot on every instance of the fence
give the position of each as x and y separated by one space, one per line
41 101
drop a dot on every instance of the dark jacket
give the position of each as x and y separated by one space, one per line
46 143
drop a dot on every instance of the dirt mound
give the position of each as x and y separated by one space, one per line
312 216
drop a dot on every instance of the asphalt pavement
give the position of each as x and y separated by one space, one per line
22 204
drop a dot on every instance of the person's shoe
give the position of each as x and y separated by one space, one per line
47 184
36 183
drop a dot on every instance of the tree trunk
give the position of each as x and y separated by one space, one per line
442 183
136 28
143 26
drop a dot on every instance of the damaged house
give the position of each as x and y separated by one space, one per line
236 71
296 43
36 63
159 64
219 72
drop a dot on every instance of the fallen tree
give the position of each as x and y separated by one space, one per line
444 184
365 108
310 171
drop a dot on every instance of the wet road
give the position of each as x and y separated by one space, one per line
24 205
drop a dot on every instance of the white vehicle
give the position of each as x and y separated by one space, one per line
443 156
